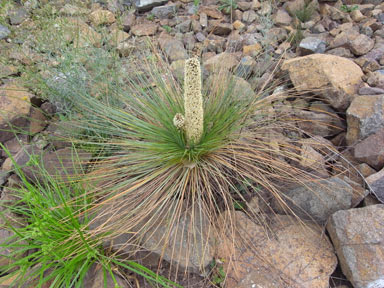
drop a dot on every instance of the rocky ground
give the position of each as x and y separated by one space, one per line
335 48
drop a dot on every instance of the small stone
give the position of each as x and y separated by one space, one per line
128 21
173 48
38 121
357 16
102 17
184 26
246 66
146 5
255 5
376 79
310 45
203 20
125 49
265 9
243 5
117 36
4 32
318 28
376 183
361 45
252 50
226 61
367 90
146 29
365 116
218 28
358 237
370 151
200 37
249 16
212 12
164 12
282 18
238 25
16 17
341 52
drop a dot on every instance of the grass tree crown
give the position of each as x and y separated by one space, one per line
193 101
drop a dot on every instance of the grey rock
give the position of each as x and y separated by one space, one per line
370 91
249 16
246 66
166 11
4 32
376 182
16 17
200 37
146 5
173 48
184 26
310 45
371 150
320 199
358 237
361 45
218 28
340 51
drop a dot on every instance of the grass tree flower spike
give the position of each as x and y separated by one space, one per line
193 101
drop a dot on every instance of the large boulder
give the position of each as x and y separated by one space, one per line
335 79
358 236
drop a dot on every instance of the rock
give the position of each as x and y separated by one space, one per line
14 106
341 52
164 12
102 17
313 160
184 26
318 200
4 32
238 25
265 9
318 123
365 116
367 90
376 182
357 16
81 34
246 66
358 236
282 18
243 5
7 70
212 12
296 256
117 36
203 20
72 10
218 28
146 5
310 45
249 16
128 21
146 29
252 50
334 78
294 6
376 79
64 163
38 121
17 16
361 45
371 151
173 48
188 244
200 37
225 60
96 277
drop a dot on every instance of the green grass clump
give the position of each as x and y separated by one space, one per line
53 245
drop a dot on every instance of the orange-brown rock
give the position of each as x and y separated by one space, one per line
335 79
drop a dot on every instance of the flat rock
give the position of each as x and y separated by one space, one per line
319 199
310 45
282 18
147 29
173 48
210 11
226 61
100 17
358 237
376 182
334 78
17 16
164 12
371 150
365 116
296 256
4 32
361 45
15 106
188 244
218 28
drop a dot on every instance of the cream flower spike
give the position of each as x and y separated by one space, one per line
193 101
